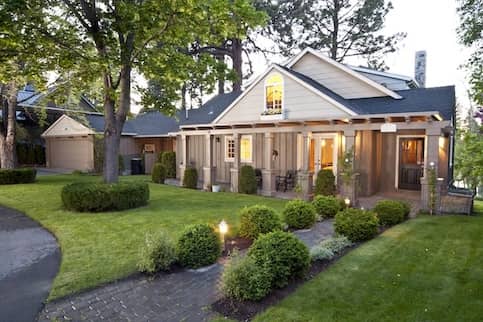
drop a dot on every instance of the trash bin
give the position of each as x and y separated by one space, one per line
136 166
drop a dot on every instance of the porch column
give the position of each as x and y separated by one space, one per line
305 177
184 157
235 169
350 189
208 172
430 183
268 173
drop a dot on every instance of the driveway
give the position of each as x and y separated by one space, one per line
29 260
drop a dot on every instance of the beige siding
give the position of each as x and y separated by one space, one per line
298 103
66 126
335 79
128 146
286 146
196 153
222 168
73 153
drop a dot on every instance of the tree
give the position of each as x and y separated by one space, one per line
343 28
23 59
470 33
469 158
119 37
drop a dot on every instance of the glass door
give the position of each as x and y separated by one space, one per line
411 163
323 153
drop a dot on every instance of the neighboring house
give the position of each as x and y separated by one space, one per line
300 117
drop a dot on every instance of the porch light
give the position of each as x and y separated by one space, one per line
347 202
431 164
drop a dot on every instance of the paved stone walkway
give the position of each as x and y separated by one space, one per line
184 296
29 260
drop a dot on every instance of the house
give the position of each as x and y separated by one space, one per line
302 116
71 141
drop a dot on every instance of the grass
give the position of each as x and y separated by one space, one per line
98 248
427 269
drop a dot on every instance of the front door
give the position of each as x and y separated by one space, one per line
411 163
323 153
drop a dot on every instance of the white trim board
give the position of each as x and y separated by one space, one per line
285 73
343 68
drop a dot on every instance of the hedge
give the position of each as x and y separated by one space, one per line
158 174
327 206
390 212
198 246
21 175
248 181
356 224
325 183
299 214
190 178
168 160
97 197
256 220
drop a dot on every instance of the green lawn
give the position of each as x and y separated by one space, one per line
427 269
98 248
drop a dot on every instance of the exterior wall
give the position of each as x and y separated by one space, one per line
367 161
335 79
196 153
73 153
127 146
298 103
160 144
66 126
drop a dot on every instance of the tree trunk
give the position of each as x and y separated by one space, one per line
335 33
8 155
221 74
237 63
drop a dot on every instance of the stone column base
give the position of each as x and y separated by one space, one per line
208 178
181 174
351 189
268 182
426 195
305 181
234 174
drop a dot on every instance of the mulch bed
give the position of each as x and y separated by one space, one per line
236 242
246 310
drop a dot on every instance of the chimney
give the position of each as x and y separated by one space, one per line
420 68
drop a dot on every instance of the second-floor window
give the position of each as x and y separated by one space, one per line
274 94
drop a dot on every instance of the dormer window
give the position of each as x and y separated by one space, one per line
273 94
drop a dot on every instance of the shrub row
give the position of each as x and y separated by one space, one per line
272 261
190 178
391 212
30 153
247 183
258 220
197 246
356 224
325 183
168 161
14 176
97 197
328 206
158 174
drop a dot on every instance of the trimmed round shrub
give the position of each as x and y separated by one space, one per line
407 208
168 160
299 214
283 254
248 181
157 254
198 246
327 206
14 176
325 183
190 178
244 280
389 212
158 174
97 197
356 224
256 220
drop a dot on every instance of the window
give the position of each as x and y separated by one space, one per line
273 94
229 148
246 148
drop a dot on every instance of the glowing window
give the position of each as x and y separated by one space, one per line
274 93
246 148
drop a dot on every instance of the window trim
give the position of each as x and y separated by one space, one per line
250 137
228 158
265 109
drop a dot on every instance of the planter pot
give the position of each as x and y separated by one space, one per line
215 188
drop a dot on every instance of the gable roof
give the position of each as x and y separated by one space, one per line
303 80
344 69
441 99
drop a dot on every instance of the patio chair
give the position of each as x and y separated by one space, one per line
291 179
258 178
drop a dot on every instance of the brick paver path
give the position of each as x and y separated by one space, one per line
183 296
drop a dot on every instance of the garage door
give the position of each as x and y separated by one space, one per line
75 153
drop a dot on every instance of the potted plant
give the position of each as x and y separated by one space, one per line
215 188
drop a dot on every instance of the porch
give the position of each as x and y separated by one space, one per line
278 148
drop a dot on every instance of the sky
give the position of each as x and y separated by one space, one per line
430 25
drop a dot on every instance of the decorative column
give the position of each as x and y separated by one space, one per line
430 183
305 177
349 187
208 169
184 157
268 172
235 169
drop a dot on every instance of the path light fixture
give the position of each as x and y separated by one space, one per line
223 227
347 202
